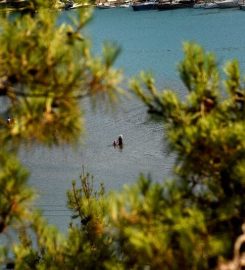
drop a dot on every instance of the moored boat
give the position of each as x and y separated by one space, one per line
175 4
227 3
105 5
211 5
147 5
199 5
242 6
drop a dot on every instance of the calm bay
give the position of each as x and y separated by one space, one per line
151 41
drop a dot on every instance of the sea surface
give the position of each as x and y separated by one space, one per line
150 41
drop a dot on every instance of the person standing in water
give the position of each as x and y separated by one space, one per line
118 142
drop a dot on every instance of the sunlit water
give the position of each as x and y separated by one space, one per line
150 40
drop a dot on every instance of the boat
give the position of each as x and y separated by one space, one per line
242 6
199 5
210 5
175 4
105 5
147 5
227 3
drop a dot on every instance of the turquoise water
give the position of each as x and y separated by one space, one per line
153 39
150 40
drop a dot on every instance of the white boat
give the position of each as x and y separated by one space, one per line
199 5
227 3
210 5
105 5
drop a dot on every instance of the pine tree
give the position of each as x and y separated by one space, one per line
187 223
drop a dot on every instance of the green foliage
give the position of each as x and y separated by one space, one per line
206 131
154 227
45 69
187 223
198 70
145 225
27 5
15 200
15 195
88 205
